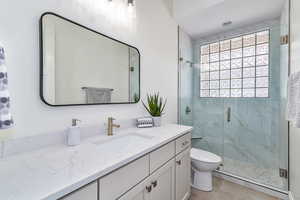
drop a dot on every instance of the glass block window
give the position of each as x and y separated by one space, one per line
237 67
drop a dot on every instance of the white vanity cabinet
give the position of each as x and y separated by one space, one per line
139 192
183 174
158 186
118 182
163 174
168 181
183 142
89 192
163 182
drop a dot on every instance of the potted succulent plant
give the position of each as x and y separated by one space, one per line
155 106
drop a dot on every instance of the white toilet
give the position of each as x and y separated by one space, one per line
203 163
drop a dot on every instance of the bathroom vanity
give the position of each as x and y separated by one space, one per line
162 174
134 164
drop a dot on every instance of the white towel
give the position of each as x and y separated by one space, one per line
98 95
293 101
6 120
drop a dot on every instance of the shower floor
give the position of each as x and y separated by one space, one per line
266 176
226 190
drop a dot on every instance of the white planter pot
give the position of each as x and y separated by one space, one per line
157 121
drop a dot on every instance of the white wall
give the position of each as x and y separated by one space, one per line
295 133
152 31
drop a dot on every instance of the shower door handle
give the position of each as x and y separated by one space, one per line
228 114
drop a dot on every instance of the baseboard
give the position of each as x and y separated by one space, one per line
291 196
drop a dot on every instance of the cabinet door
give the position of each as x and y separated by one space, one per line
159 186
183 175
139 192
89 192
163 182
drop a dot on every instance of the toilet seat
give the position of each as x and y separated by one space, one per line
204 156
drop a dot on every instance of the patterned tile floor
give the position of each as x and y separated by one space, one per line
224 190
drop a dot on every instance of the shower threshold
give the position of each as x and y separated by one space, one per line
270 190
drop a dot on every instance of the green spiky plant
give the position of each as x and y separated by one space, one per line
155 105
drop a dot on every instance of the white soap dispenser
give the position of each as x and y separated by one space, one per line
73 134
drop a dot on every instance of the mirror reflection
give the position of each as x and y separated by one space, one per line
81 66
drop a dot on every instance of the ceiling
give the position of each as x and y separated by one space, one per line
203 17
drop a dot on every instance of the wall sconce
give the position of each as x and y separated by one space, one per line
130 2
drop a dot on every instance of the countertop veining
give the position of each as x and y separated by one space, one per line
52 172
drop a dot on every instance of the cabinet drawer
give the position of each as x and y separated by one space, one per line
115 184
89 192
183 142
161 156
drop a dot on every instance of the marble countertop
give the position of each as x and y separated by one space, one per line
52 172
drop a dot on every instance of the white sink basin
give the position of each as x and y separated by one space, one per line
123 142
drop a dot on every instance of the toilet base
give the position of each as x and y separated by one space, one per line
202 180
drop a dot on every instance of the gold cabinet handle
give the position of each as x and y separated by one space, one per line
154 184
149 188
185 143
178 162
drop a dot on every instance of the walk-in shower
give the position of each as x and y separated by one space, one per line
232 90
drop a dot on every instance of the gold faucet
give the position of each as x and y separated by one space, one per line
110 126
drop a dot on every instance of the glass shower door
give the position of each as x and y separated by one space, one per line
253 141
255 130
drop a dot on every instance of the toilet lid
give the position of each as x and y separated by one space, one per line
204 156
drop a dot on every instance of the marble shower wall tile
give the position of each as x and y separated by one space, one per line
253 133
209 124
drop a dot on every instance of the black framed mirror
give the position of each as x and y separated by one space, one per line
80 66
